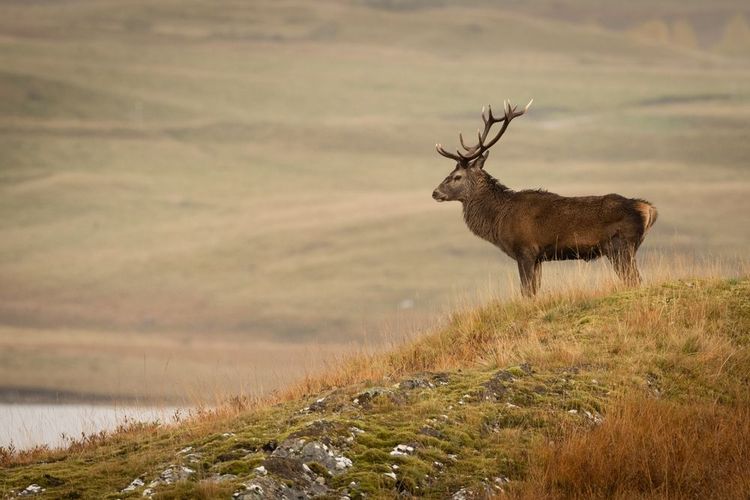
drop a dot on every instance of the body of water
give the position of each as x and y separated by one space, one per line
27 425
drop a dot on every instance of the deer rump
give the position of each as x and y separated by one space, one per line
558 227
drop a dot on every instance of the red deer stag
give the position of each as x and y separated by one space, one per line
533 226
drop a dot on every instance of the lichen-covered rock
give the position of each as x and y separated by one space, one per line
365 398
221 478
318 405
287 468
297 468
304 452
327 432
401 450
462 494
432 432
497 386
134 485
268 487
30 490
170 475
193 458
416 383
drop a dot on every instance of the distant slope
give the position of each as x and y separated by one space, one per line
187 176
641 393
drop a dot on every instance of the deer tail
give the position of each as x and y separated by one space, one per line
648 214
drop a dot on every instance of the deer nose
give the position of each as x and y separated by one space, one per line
435 194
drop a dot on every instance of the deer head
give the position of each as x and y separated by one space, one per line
459 182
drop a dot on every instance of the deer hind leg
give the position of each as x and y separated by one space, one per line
530 271
622 256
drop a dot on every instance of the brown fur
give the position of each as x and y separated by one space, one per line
536 226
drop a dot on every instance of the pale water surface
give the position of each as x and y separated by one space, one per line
26 425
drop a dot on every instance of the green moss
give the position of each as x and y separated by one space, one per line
517 371
236 467
318 469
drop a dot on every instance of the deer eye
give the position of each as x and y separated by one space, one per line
457 178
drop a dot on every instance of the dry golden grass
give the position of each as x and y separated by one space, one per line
686 327
650 448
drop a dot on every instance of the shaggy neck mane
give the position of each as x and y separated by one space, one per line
487 187
484 209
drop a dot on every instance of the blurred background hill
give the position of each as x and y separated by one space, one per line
203 197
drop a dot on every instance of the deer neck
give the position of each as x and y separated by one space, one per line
485 208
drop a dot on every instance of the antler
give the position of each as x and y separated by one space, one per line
474 152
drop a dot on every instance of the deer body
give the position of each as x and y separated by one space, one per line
533 226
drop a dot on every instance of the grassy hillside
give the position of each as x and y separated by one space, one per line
181 177
636 393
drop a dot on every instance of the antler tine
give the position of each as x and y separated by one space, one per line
461 139
510 111
457 157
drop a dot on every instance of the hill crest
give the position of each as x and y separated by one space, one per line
633 393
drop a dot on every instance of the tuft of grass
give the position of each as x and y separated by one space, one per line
688 319
649 448
202 490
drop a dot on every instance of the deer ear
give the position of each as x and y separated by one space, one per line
479 162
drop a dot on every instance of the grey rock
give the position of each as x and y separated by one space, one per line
402 450
194 458
288 474
432 432
318 405
266 487
365 398
30 490
416 383
176 473
329 433
221 478
134 485
288 468
313 451
462 494
171 475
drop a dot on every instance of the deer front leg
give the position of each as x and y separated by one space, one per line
530 271
537 275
